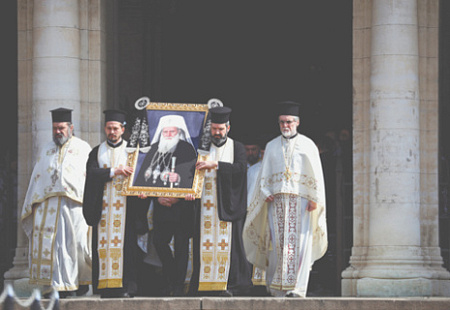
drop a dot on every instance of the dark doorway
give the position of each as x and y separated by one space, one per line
444 129
250 55
9 127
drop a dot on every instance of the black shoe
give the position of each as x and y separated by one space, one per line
226 293
82 290
291 294
117 295
65 294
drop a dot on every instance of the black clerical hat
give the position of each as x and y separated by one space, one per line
288 108
220 115
115 116
61 115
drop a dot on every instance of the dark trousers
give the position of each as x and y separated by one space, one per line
174 265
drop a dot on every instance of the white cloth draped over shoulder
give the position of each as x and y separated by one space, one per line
303 178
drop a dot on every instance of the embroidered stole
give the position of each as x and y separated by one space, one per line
111 229
45 225
258 276
289 234
45 221
215 235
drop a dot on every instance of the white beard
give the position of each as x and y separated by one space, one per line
287 133
166 145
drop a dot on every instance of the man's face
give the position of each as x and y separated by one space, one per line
252 151
62 132
288 125
114 131
169 132
219 133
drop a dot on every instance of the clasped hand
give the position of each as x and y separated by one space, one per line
123 170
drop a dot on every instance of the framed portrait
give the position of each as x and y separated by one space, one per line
167 167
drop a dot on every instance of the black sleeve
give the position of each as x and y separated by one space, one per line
139 208
96 178
232 186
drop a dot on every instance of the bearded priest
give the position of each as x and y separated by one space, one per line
116 220
52 213
219 263
285 230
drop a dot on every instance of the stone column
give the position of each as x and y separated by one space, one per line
389 258
50 80
56 64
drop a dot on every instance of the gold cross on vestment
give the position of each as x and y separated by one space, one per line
104 205
118 205
208 204
207 244
46 252
287 174
223 244
103 242
116 241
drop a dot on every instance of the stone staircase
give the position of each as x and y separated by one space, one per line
261 303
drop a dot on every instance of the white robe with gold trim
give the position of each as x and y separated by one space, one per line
281 237
60 247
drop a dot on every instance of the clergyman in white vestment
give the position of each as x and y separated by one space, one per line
59 252
285 230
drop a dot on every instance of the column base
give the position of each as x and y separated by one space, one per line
369 287
20 266
418 287
23 288
18 275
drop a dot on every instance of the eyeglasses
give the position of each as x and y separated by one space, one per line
286 122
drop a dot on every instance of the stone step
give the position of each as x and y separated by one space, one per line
246 303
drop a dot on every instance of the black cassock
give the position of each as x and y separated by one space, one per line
136 223
232 207
175 221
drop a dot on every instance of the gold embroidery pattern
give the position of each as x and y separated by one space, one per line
111 229
215 242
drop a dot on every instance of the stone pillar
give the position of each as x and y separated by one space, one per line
56 64
20 262
51 79
390 254
394 255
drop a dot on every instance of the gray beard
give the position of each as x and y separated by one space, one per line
219 141
62 140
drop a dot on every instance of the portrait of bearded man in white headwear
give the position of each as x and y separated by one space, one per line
172 156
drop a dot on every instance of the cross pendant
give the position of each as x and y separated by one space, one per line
287 174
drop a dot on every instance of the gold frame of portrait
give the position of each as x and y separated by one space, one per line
129 190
